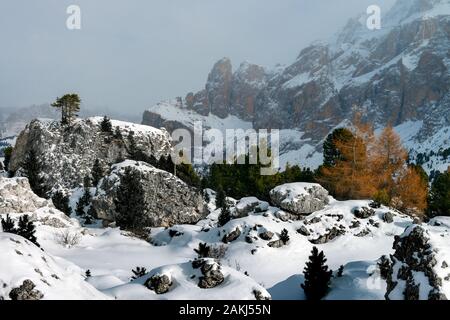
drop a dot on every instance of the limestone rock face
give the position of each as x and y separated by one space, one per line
67 154
300 198
16 197
411 273
218 88
168 200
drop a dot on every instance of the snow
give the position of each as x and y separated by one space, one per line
56 278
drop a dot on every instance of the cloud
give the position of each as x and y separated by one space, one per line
131 54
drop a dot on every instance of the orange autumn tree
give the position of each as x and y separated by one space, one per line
410 193
388 158
351 177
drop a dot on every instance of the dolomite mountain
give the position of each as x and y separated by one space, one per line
398 75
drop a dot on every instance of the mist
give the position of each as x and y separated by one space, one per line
131 54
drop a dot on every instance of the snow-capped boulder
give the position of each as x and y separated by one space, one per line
67 154
16 197
250 204
203 279
168 200
300 198
412 272
27 272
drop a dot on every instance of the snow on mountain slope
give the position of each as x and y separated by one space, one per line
54 278
184 280
251 255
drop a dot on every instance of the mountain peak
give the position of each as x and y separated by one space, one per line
408 10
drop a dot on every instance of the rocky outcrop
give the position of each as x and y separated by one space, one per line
300 198
67 154
218 88
232 236
159 283
16 197
211 273
363 212
26 292
168 200
411 272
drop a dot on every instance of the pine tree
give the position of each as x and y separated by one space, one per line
138 272
69 105
118 133
340 272
130 204
284 236
330 151
61 202
7 153
203 250
97 173
440 195
8 225
87 220
106 125
220 197
92 213
88 273
317 276
32 170
27 230
133 150
225 215
79 210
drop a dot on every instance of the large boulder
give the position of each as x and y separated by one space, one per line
168 200
300 198
67 153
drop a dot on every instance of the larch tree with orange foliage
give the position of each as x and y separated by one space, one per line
388 158
410 193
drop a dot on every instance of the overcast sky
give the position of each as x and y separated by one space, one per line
131 54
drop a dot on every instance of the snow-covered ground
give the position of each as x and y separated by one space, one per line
247 263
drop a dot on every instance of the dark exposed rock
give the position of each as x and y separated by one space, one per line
375 205
303 231
388 217
363 233
355 224
266 235
331 235
211 274
259 296
363 212
232 236
159 283
26 292
444 264
413 253
276 244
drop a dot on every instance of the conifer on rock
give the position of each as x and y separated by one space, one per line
106 125
118 133
317 276
225 215
32 170
130 204
27 229
138 272
69 105
97 173
8 225
61 202
220 197
284 236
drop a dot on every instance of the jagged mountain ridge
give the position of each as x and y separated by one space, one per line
397 75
